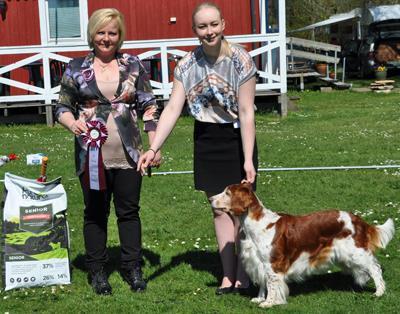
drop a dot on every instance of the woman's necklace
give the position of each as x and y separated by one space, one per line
103 66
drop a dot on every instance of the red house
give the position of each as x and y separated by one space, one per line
36 32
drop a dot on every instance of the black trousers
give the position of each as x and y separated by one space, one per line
123 185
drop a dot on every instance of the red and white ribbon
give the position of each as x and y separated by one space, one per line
94 138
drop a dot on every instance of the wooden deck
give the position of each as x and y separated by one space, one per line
279 101
48 109
301 75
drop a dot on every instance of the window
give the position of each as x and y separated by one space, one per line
63 21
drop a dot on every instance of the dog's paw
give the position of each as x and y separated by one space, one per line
379 292
257 300
270 303
266 304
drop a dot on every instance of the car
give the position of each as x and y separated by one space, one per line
381 47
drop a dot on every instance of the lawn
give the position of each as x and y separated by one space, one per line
181 261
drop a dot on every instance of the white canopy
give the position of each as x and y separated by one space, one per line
383 12
374 14
356 13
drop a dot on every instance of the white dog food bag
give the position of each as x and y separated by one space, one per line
35 236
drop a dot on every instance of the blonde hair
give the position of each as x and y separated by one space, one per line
100 18
225 45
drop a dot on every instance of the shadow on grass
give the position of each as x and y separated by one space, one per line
335 282
319 283
210 262
114 259
198 260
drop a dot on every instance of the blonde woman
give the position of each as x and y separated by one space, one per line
110 87
218 81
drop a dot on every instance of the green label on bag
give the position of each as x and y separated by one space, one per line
36 219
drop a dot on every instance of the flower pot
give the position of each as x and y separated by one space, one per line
321 68
381 75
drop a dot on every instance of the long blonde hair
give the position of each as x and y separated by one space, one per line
225 45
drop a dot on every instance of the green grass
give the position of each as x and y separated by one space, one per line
182 265
313 83
392 75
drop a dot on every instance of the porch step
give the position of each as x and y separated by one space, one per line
21 105
48 109
267 93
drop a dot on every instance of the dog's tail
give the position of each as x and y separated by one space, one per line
385 233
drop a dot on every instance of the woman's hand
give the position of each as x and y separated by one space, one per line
250 172
156 162
149 158
78 127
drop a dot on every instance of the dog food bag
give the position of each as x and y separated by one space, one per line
35 236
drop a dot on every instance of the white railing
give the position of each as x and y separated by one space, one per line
314 50
271 47
317 51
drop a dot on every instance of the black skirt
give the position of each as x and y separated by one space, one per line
218 156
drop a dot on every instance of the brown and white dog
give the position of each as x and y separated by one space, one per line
279 248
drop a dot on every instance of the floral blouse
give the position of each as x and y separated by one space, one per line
212 90
81 96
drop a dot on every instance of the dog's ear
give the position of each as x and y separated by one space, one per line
238 207
242 198
237 211
248 199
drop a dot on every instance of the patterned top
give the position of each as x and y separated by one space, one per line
80 95
212 89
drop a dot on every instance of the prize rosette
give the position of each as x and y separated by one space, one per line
94 138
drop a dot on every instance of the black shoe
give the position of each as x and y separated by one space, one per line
242 291
99 282
134 277
226 290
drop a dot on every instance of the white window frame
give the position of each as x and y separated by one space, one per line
45 28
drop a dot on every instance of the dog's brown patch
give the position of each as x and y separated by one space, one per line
270 225
313 233
366 236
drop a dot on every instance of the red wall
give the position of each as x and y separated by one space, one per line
148 19
21 25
